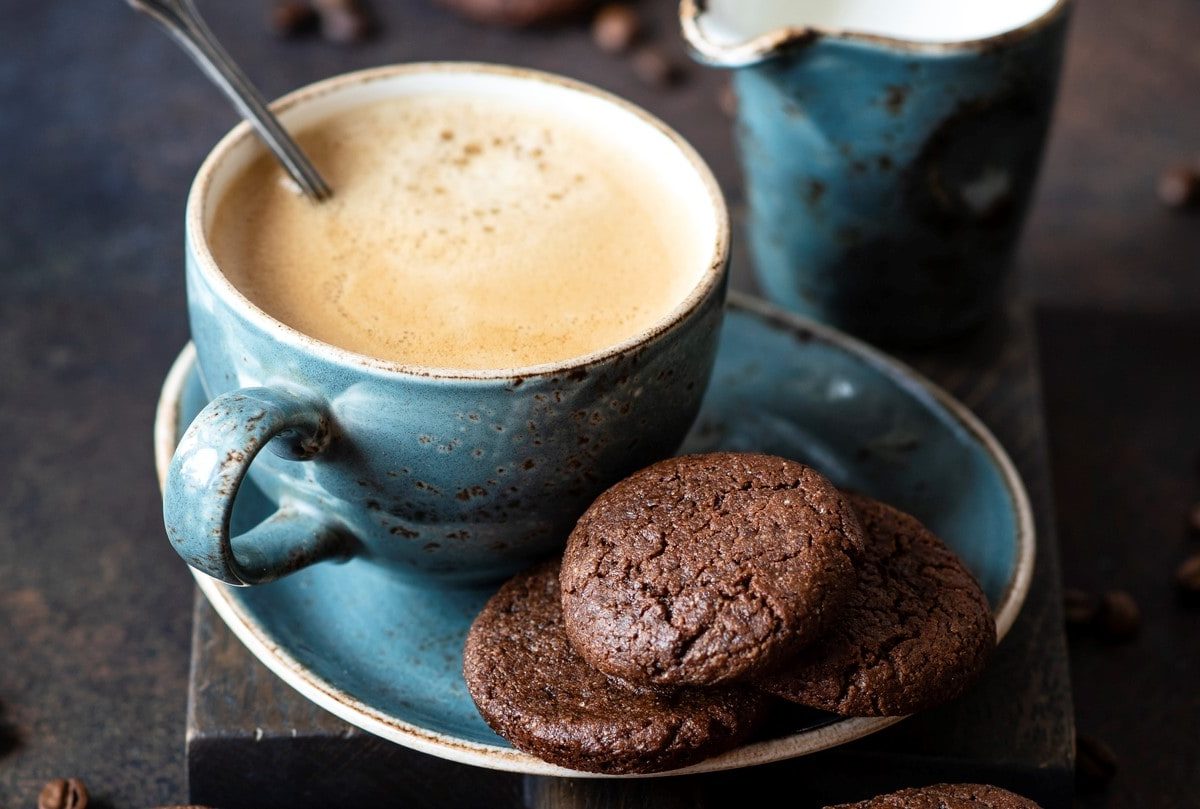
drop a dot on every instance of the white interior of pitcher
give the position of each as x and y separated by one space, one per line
729 23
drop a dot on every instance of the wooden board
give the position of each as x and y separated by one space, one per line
253 742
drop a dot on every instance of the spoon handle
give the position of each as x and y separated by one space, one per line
181 20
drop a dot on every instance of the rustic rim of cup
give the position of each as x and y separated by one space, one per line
198 200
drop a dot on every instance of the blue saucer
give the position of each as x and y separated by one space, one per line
387 658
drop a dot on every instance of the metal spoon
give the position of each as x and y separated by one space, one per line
181 20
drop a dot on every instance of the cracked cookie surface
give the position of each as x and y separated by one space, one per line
945 796
534 690
915 632
708 568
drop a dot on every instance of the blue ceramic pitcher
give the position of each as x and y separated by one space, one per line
889 149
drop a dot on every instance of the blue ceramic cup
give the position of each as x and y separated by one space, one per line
440 476
889 149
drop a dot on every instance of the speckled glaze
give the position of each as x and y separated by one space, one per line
387 657
434 475
887 181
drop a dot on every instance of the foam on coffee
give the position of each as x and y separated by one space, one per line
465 232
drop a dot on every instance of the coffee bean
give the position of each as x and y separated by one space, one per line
1187 577
1179 187
1119 618
1079 608
656 68
616 27
1194 519
63 793
1095 764
344 21
292 18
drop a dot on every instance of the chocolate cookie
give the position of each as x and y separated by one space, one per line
915 632
706 568
534 690
945 796
517 13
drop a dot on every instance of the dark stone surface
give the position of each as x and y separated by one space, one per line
102 123
1123 390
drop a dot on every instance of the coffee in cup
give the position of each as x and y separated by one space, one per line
466 232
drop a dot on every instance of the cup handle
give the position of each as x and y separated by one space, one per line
208 468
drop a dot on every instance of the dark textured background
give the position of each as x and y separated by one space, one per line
102 124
